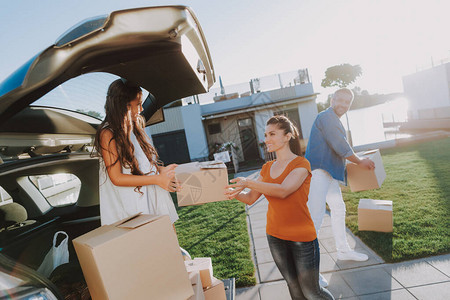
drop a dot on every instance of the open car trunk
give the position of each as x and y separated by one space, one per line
162 49
48 180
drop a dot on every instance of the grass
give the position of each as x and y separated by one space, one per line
218 230
418 183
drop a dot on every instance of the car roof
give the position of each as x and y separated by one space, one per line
162 49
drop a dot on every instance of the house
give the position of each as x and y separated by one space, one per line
191 132
428 92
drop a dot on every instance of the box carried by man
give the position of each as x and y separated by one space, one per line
201 182
136 258
362 179
375 215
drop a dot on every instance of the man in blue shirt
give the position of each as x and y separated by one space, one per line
327 151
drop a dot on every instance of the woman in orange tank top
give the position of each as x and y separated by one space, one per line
290 229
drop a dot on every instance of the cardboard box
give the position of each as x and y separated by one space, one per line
197 286
362 179
216 291
201 182
203 265
136 258
375 215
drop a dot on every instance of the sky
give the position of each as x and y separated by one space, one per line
249 39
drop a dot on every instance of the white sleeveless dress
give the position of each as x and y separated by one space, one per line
119 202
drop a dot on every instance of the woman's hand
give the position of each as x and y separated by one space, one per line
168 169
232 190
174 186
167 178
239 182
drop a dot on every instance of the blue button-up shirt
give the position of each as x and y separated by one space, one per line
327 146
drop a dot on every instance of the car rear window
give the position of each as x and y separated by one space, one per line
85 93
59 189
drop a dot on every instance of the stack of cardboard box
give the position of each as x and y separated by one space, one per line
212 288
136 258
373 215
140 258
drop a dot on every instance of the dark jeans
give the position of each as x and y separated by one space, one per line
298 262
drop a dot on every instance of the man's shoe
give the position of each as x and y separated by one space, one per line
352 255
322 281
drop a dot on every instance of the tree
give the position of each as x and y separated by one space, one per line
341 75
91 113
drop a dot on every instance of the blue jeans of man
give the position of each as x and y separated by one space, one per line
298 262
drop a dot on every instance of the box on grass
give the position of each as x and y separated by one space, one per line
203 265
136 258
197 286
362 179
201 182
375 215
216 291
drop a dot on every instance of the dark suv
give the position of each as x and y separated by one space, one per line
49 111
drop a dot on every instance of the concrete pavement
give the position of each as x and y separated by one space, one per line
427 278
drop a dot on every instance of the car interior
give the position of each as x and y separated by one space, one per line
28 224
49 179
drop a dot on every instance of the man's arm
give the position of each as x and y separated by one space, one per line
365 162
336 140
334 136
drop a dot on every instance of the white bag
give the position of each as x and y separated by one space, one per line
56 256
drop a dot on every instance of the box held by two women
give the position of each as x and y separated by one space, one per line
362 179
201 182
375 215
133 259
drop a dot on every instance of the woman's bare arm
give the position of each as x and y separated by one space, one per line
114 169
290 184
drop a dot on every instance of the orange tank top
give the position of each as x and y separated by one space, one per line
289 218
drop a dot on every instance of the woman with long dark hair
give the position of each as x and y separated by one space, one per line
131 178
290 229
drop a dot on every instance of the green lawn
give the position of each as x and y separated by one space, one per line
418 183
218 230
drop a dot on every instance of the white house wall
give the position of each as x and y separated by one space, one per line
261 117
428 89
173 121
195 133
307 112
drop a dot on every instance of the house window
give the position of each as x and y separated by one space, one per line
214 128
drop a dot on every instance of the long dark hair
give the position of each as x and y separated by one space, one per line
120 94
285 124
